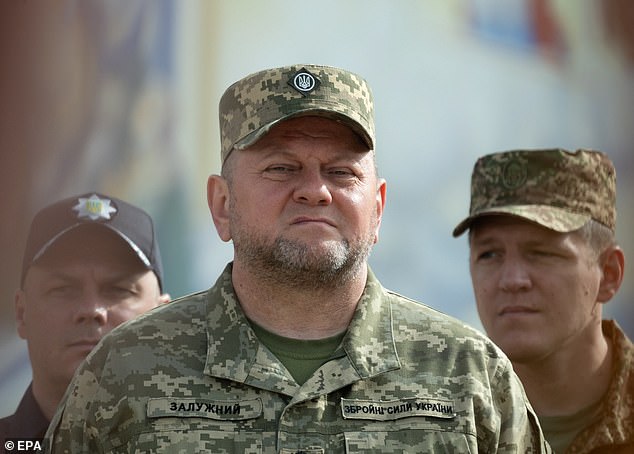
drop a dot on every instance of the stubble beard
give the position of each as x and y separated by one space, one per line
296 264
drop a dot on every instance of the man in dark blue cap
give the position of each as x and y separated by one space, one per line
91 262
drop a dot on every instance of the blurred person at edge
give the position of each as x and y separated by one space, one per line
544 260
91 263
297 348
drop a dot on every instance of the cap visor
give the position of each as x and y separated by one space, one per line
137 251
557 219
256 135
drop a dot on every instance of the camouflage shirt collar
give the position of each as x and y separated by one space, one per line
616 425
235 353
369 342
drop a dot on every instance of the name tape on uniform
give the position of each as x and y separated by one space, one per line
203 408
385 410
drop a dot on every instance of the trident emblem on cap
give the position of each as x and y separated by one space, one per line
303 81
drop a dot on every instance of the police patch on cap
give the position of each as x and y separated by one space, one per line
303 81
94 208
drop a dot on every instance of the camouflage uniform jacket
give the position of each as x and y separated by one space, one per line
191 376
614 432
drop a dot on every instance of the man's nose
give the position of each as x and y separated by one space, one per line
90 309
514 275
312 188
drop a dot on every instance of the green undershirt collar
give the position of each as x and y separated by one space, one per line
301 357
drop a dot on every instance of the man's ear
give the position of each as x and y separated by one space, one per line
218 201
164 298
380 206
612 263
19 301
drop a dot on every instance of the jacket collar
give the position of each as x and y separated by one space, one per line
235 353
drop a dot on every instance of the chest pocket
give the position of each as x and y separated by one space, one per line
205 440
409 441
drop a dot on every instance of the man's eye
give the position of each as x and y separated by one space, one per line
543 253
341 172
487 255
62 291
120 291
279 169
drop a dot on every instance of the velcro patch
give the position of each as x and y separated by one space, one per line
202 408
385 410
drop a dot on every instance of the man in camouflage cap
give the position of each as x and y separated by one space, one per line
297 347
543 261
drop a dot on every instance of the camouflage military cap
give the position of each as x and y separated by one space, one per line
252 105
556 188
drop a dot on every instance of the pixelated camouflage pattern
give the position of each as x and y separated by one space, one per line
614 431
192 376
556 188
250 106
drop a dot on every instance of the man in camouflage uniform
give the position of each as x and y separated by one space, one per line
297 348
543 261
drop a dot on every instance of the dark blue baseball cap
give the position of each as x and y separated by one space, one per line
130 223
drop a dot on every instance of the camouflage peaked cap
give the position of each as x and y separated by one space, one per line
555 188
252 105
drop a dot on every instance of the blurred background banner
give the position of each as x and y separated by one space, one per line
122 98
